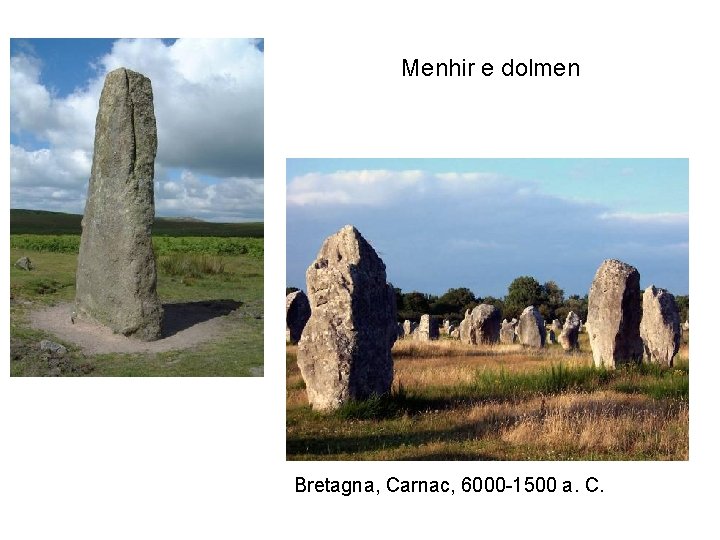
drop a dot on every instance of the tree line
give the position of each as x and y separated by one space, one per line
524 291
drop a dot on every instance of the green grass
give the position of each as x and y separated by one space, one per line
215 277
58 223
163 245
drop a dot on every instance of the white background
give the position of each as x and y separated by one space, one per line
205 458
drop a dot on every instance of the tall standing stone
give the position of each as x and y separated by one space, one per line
297 313
464 328
569 335
428 329
116 275
660 326
344 351
407 328
531 328
507 332
613 320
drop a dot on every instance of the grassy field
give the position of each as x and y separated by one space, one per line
58 223
189 270
456 402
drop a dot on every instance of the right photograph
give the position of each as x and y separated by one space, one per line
487 309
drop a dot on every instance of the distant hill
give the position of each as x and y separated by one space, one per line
44 222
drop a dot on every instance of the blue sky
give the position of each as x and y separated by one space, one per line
208 97
479 223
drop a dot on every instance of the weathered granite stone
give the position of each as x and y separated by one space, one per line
427 330
344 351
571 329
659 326
556 326
465 328
485 324
297 313
407 328
455 333
507 332
56 348
613 319
24 263
531 328
116 275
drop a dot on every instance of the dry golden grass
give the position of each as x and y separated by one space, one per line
600 424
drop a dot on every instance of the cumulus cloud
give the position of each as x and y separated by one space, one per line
208 97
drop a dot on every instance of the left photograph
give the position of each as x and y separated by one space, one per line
136 207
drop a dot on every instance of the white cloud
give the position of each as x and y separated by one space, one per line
381 187
649 218
208 97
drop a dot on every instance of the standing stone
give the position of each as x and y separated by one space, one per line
297 313
570 331
531 328
455 333
485 324
507 332
660 326
556 326
613 319
344 351
407 328
427 330
116 275
465 328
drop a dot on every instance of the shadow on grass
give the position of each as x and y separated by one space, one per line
328 445
181 316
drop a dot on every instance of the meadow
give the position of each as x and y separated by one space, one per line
203 271
452 401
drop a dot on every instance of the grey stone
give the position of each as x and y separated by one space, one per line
407 328
613 319
24 263
297 313
344 352
427 330
569 335
116 274
507 332
659 326
531 328
464 328
556 326
485 324
54 372
55 348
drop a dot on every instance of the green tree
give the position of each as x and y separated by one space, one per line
683 305
573 303
453 303
524 291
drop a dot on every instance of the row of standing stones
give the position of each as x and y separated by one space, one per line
346 325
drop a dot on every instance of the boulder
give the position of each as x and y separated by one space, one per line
569 335
614 312
344 352
531 328
485 324
24 263
659 326
297 313
116 274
